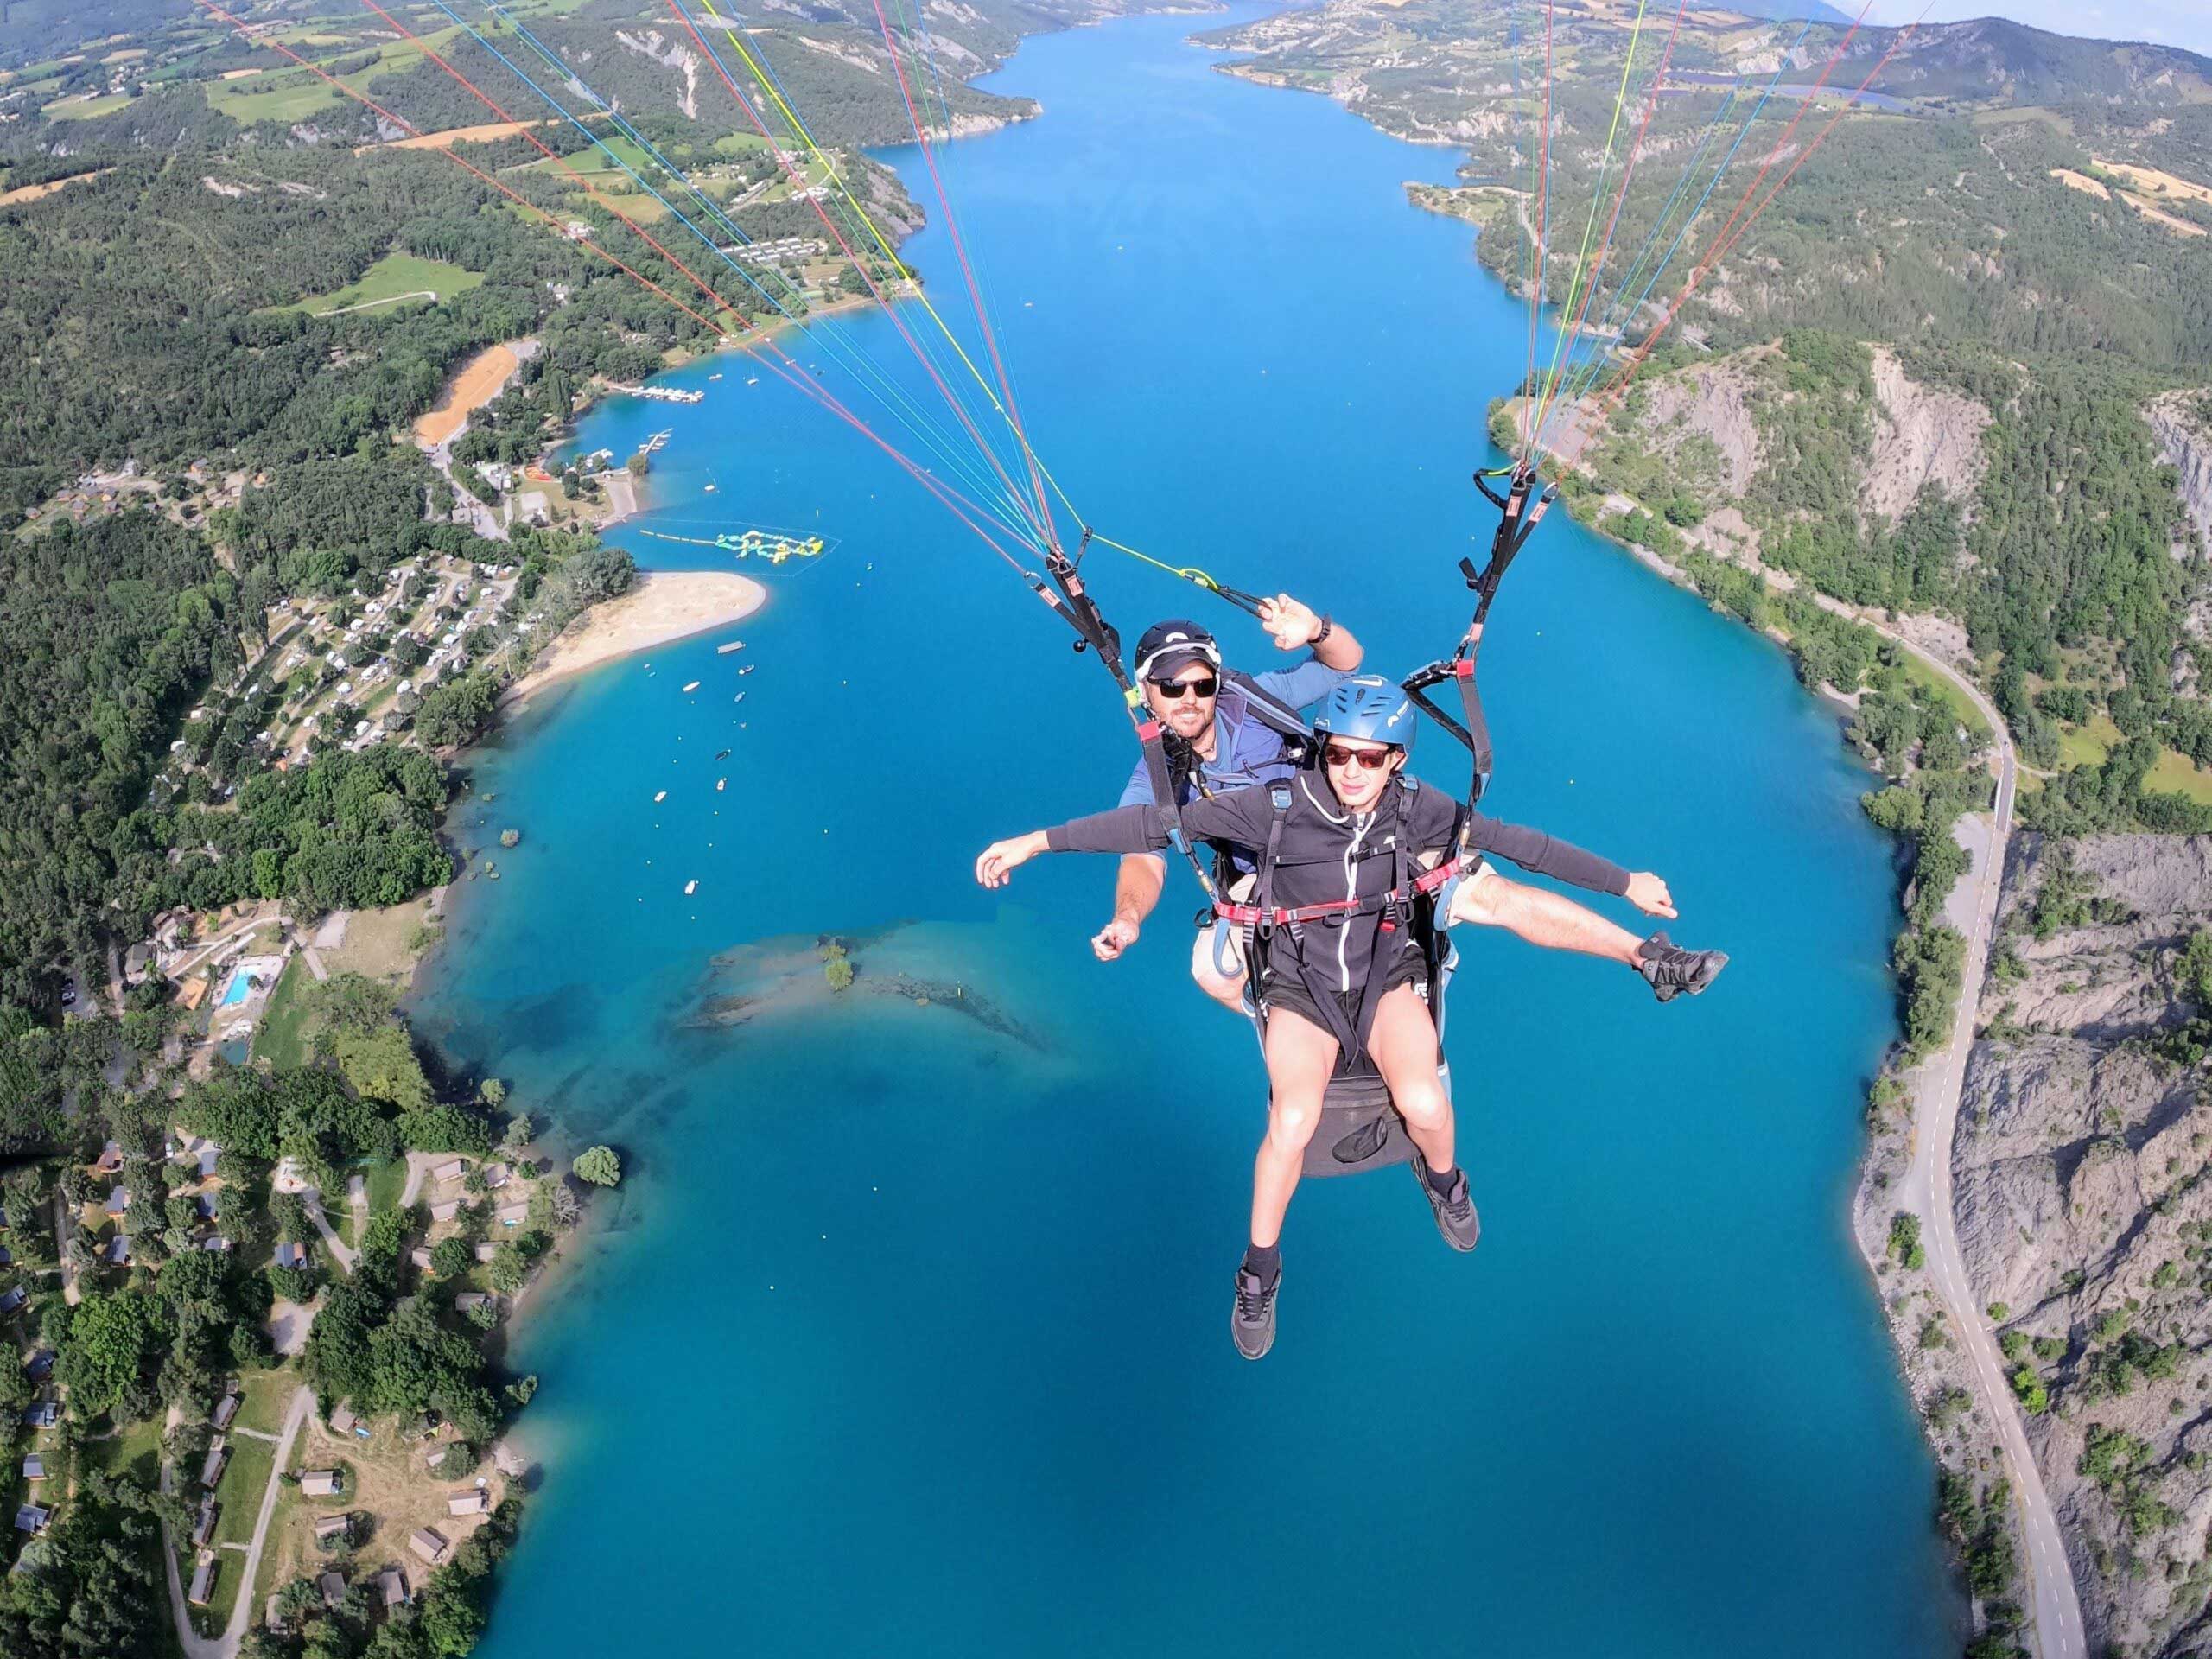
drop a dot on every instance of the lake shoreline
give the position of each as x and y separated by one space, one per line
797 1247
660 608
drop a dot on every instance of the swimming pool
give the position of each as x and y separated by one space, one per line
239 988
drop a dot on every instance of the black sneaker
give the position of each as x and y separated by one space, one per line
1252 1318
1455 1214
1672 971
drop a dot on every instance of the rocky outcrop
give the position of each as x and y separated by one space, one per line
674 55
2182 423
2081 1172
1924 435
2179 422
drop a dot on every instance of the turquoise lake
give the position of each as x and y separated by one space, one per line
907 1333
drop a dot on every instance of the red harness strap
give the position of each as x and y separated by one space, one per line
1428 882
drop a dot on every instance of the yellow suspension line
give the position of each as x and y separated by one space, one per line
766 84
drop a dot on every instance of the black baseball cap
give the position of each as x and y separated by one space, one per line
1169 647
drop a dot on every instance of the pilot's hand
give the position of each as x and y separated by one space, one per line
1112 939
1292 625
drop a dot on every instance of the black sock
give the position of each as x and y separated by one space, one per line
1265 1260
1442 1181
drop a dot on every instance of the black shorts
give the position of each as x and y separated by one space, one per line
1286 990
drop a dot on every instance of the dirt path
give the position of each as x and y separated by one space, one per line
70 1293
226 1646
390 299
419 1165
289 1179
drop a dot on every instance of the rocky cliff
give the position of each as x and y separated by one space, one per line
2085 1214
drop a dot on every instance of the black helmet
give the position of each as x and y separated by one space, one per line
1169 647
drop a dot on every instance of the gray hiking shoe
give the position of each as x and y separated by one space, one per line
1455 1214
1252 1317
1672 971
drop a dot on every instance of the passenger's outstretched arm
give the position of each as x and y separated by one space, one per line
1533 850
1125 830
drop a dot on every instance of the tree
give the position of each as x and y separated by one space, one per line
598 1165
105 1342
1904 1240
493 1092
2194 973
451 1258
637 465
456 711
441 1126
382 1065
510 1269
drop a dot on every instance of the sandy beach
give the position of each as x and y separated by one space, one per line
664 606
477 385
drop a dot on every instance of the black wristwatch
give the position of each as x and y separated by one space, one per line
1328 626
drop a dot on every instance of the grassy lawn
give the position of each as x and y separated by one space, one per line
281 1038
2175 774
272 97
2028 113
633 205
387 1180
380 944
245 1477
136 1451
296 93
73 109
600 168
267 1394
2087 745
390 279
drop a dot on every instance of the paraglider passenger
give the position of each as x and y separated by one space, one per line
1348 829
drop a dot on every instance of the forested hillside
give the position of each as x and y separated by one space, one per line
174 203
2012 237
248 610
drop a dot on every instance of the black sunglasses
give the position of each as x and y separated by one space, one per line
1199 688
1336 755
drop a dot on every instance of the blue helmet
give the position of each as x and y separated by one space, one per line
1369 707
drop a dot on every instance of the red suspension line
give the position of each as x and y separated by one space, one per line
958 504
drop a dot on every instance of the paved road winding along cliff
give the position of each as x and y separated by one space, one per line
1926 1191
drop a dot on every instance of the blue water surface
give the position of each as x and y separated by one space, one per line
907 1333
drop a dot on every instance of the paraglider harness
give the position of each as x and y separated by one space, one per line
1361 1128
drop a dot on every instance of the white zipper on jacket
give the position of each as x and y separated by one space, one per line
1361 825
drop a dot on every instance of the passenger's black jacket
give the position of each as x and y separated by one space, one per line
1328 853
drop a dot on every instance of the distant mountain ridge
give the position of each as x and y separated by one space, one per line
1995 59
